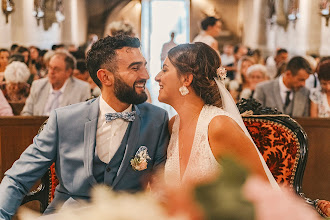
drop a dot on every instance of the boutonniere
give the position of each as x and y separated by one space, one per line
140 160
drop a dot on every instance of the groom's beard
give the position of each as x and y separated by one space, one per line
127 94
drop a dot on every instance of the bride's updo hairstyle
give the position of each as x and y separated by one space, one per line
202 61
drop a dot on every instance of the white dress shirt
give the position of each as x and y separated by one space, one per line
51 98
284 89
109 134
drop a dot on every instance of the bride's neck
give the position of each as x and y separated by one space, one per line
189 110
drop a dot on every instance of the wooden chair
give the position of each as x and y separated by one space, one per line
284 145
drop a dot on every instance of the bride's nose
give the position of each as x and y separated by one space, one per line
157 78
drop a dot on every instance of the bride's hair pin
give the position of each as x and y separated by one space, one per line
221 73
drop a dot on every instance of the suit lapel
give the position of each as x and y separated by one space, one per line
277 95
90 139
131 146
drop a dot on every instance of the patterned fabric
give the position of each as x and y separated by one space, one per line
128 116
278 145
323 207
321 100
53 182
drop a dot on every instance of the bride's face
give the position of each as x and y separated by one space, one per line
169 83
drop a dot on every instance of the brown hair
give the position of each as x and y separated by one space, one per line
324 70
202 61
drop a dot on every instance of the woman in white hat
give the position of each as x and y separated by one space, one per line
16 76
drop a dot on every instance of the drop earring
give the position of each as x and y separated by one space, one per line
183 90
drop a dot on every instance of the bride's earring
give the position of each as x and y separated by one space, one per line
183 90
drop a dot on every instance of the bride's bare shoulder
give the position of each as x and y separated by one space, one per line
223 124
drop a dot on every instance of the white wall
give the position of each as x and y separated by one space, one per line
307 35
23 29
5 31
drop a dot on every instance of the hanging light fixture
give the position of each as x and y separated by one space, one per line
293 13
325 10
59 11
49 10
38 11
8 7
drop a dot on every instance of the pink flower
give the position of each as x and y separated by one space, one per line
142 165
273 204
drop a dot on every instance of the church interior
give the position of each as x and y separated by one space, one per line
262 29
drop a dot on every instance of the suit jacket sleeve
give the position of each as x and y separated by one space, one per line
86 94
160 156
28 107
260 95
31 165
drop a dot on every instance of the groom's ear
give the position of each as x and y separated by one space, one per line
188 79
106 77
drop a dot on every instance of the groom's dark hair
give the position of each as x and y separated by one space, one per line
103 54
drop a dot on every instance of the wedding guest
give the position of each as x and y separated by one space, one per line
287 93
4 57
5 109
16 75
166 47
274 62
241 77
58 89
256 74
313 80
239 52
227 57
82 73
320 97
211 28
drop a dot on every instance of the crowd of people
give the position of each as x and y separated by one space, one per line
120 140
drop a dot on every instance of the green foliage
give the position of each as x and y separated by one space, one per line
223 199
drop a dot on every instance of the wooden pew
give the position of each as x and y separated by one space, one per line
16 133
316 181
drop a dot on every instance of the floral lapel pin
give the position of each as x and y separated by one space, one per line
140 160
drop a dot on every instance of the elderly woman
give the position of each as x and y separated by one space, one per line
16 75
254 75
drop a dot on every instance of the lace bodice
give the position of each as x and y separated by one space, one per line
321 100
202 163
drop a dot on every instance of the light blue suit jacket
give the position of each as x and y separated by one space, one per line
68 139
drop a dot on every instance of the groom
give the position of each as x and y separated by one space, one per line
116 139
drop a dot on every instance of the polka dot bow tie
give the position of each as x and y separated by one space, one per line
127 116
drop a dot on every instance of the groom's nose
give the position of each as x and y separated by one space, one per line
144 73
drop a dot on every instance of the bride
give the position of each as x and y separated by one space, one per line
208 124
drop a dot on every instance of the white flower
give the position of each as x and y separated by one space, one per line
221 73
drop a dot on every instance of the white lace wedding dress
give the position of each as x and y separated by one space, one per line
202 163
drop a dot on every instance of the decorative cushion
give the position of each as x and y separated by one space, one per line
279 147
53 182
